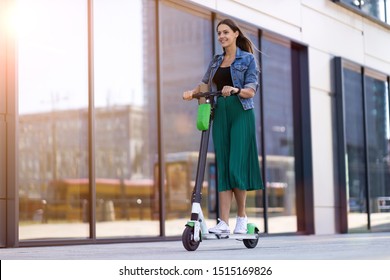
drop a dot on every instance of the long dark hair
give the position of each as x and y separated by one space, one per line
242 41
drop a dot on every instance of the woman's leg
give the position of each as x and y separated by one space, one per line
225 201
240 196
242 220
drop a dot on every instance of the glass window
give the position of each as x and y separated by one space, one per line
125 118
378 142
367 137
374 8
355 3
53 120
378 9
279 135
387 11
186 50
355 153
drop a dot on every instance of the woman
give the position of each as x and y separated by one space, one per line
235 73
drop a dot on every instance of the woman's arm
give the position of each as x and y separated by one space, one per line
251 80
243 93
187 95
246 93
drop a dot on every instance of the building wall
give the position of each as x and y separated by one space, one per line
328 30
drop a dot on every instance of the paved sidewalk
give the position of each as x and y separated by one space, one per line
371 246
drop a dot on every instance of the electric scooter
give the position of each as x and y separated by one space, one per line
196 229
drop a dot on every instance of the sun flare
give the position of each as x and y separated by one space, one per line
19 20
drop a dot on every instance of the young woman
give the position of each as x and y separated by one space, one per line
235 73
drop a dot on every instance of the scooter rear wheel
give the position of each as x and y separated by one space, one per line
251 243
188 239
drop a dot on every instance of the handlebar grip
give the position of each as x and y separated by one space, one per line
209 94
205 94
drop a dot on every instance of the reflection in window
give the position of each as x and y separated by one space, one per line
125 118
279 135
387 11
367 134
53 122
378 9
378 142
186 51
354 133
375 8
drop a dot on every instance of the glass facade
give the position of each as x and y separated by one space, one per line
186 49
367 149
99 146
279 135
387 9
88 155
375 8
53 119
125 119
378 149
355 156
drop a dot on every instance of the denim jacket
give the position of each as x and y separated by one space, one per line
244 71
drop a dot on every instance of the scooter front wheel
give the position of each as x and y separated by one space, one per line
251 243
188 239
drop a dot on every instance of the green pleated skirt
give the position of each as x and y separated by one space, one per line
234 136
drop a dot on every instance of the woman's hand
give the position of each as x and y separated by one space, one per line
187 95
228 90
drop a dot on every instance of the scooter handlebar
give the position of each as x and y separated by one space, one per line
208 94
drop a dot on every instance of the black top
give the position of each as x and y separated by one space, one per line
223 77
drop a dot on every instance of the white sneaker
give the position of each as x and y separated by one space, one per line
221 227
241 225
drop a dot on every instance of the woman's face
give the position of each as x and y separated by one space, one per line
226 36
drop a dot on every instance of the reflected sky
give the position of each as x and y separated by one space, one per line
53 54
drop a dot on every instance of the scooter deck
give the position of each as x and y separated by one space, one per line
229 236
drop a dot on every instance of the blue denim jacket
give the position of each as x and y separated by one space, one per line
244 71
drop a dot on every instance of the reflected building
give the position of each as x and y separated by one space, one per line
43 135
